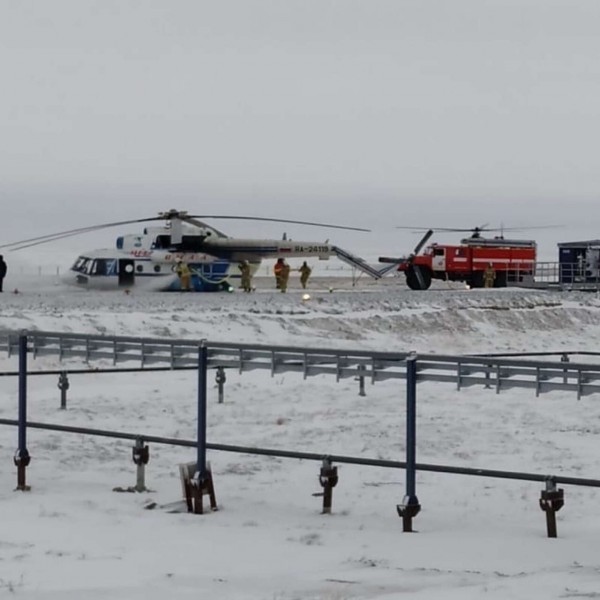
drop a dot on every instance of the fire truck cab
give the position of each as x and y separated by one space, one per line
512 261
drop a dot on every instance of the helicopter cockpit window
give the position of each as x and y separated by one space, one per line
98 267
101 266
81 264
438 251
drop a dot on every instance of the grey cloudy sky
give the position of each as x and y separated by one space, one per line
382 113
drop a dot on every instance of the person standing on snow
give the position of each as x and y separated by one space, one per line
305 272
489 276
277 271
185 275
284 276
244 267
3 269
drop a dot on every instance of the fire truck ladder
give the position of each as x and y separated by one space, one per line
361 264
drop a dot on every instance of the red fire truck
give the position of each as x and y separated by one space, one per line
512 261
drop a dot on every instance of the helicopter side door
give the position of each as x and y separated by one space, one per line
126 272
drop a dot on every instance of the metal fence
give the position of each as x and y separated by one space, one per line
494 372
489 371
556 275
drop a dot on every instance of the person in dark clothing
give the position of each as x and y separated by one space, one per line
3 269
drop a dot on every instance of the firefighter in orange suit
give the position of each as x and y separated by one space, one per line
277 269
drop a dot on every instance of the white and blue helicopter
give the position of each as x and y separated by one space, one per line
148 260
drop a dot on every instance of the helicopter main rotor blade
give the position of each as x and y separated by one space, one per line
279 221
480 228
527 228
42 239
48 239
454 229
422 242
411 257
164 216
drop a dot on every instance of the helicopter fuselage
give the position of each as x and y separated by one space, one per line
149 260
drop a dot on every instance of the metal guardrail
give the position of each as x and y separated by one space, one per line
197 477
462 371
280 453
184 353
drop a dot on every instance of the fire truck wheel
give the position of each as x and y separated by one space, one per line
418 281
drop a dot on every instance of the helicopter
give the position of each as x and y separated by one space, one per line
149 260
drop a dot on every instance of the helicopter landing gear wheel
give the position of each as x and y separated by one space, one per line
418 278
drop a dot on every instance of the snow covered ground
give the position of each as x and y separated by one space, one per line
71 536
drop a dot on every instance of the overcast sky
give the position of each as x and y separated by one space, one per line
375 113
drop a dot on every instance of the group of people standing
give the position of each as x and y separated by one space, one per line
281 271
282 274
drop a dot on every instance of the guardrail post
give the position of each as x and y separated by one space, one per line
141 456
487 385
361 380
22 458
63 386
565 359
552 500
202 483
201 448
220 378
328 478
410 506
